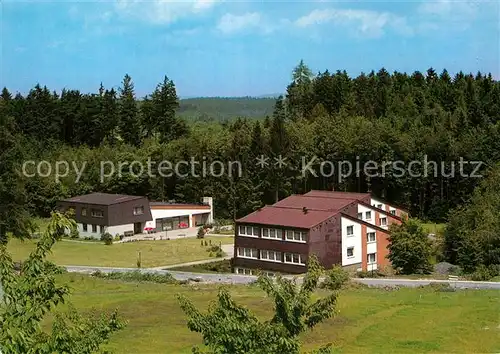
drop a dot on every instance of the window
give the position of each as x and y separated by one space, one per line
271 233
350 252
84 212
383 221
84 227
249 231
371 258
360 216
393 212
368 215
271 256
139 210
243 271
295 258
102 229
247 252
350 230
94 228
295 236
370 237
379 206
96 213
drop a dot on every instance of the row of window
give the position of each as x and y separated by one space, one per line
246 271
97 213
370 257
94 228
380 206
270 233
271 256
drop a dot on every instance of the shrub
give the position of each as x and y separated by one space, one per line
74 233
107 238
201 232
220 253
484 273
137 276
335 278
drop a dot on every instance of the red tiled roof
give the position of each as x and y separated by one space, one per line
337 195
290 217
313 202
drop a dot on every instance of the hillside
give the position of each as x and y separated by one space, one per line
222 108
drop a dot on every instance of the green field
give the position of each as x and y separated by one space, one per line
153 253
369 320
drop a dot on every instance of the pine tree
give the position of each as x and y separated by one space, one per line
164 105
129 122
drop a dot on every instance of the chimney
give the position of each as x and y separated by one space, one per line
210 202
304 210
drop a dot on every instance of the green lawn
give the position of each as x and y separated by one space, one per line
153 253
368 321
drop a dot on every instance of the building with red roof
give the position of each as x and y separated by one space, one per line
350 229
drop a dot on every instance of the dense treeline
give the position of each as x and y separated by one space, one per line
377 116
225 108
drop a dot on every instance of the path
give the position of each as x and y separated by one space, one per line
227 249
247 279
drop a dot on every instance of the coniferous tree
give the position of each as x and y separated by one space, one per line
129 122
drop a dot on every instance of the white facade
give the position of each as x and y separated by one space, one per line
89 232
377 204
171 213
366 214
119 229
351 241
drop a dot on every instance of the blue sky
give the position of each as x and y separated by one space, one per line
229 48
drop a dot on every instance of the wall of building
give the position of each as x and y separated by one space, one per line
280 245
325 242
354 240
170 213
89 232
119 229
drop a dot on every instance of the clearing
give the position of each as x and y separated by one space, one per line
153 253
370 320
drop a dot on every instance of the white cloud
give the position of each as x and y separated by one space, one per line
230 23
446 8
163 11
369 23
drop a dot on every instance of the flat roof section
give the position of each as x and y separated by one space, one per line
337 195
102 198
313 202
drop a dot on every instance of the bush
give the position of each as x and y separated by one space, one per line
484 273
107 238
74 233
137 276
220 253
201 232
335 278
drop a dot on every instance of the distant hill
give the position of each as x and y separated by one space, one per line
225 108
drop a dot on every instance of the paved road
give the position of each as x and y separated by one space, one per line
247 279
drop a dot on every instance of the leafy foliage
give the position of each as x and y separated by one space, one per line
33 293
471 236
107 238
409 248
231 328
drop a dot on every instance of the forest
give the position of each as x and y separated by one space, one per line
379 116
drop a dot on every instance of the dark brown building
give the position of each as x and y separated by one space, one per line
330 225
116 214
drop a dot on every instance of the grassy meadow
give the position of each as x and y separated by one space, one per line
153 253
369 320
